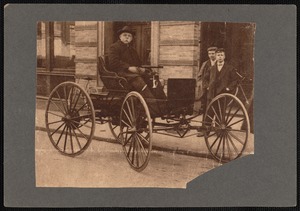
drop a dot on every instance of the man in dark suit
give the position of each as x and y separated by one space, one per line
223 77
124 60
204 75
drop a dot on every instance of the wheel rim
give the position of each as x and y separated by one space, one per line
70 119
227 122
136 131
115 130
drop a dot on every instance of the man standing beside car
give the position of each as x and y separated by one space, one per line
204 75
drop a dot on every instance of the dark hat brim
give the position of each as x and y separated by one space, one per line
125 29
212 49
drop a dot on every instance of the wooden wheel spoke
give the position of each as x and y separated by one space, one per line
237 130
215 114
66 97
57 128
66 138
75 104
221 138
133 148
78 142
232 143
142 146
137 152
129 110
70 97
84 125
62 132
127 140
130 146
228 121
58 107
133 109
236 122
212 120
81 117
80 131
130 122
126 124
211 135
66 111
49 112
228 148
71 140
214 142
144 139
222 155
86 103
224 108
235 137
220 111
50 123
227 117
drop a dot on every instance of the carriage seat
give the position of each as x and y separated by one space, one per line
112 82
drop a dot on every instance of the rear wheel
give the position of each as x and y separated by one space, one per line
136 131
70 119
228 127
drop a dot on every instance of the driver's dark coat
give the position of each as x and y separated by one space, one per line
120 57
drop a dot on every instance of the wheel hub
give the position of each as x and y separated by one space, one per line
223 126
72 119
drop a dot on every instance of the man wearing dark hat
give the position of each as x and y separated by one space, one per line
204 74
223 77
124 60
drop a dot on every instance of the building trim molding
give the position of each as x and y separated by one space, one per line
86 44
177 63
86 27
83 60
179 43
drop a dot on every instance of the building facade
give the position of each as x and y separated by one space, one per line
68 51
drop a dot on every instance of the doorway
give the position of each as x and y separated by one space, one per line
141 41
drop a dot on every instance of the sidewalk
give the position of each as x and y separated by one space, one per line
189 145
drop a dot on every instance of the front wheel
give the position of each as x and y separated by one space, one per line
70 118
136 131
228 127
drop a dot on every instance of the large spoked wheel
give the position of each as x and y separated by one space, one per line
228 127
136 131
70 119
115 129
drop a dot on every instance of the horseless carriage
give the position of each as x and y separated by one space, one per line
73 111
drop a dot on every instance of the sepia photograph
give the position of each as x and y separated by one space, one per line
144 104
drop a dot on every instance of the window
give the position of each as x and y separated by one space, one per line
41 45
55 55
64 48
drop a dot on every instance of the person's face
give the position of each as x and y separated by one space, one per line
220 56
125 37
212 55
